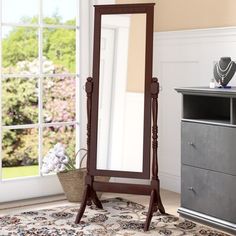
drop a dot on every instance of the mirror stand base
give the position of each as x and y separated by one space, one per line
153 190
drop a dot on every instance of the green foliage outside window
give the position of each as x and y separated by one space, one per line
20 95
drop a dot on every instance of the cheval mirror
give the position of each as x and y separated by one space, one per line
122 106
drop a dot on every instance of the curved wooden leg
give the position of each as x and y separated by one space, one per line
150 210
160 205
83 204
96 200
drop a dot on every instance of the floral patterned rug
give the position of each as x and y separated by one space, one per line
119 217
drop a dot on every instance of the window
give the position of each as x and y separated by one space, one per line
39 58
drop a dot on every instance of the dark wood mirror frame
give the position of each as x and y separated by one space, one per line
122 9
150 117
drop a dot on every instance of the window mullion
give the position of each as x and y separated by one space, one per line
65 123
1 129
72 27
40 84
14 127
77 91
33 126
4 76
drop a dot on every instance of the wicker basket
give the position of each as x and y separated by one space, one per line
73 183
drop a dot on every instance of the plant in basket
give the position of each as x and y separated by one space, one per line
71 179
57 160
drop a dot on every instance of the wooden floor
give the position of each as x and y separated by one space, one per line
170 200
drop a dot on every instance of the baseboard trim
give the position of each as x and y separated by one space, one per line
209 220
32 201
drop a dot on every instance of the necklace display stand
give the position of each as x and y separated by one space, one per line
150 123
224 71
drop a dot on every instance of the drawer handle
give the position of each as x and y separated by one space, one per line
191 189
191 144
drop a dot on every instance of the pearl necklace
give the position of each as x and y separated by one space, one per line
221 71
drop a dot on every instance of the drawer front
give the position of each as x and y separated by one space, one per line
209 192
208 146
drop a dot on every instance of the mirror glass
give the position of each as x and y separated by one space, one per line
121 92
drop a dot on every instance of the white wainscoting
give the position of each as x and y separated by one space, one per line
184 58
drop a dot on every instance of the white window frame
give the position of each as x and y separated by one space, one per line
82 71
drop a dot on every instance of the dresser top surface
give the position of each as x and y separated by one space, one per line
225 92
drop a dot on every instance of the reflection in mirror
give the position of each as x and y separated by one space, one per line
121 92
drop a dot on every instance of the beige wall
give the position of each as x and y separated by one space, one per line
179 15
191 14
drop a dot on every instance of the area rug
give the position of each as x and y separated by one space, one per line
119 217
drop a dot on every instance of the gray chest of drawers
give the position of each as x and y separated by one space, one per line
208 156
